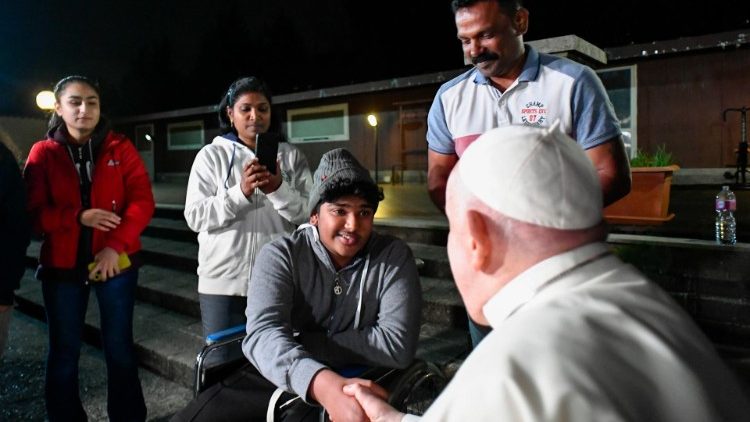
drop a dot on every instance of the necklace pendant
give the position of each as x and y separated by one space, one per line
337 290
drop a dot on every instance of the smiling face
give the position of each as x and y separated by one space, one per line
344 226
78 106
250 115
492 39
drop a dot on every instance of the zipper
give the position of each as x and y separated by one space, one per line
336 283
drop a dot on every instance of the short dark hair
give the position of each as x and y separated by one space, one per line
508 6
236 90
54 119
371 193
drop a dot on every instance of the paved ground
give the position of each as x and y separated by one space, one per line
22 379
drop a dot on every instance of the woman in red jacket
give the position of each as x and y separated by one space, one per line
89 197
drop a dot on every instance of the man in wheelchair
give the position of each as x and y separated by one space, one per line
332 294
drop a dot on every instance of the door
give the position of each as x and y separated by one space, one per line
144 143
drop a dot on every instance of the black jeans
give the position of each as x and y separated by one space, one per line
244 396
65 304
219 312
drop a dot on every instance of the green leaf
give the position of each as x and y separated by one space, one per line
659 158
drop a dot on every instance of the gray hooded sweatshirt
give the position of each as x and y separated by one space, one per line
297 325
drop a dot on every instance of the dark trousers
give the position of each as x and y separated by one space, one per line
65 304
244 396
219 312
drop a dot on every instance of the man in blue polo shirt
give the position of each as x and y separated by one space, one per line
510 84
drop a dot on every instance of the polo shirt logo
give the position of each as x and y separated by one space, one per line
534 113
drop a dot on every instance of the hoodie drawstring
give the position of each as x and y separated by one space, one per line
362 282
229 168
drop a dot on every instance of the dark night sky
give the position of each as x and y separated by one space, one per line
164 54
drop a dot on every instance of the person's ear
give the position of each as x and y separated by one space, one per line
314 219
480 240
230 115
58 108
521 21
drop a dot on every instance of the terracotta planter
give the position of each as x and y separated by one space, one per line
648 200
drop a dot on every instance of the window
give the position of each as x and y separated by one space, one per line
621 84
185 135
318 124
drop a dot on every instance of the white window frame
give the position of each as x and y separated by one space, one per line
171 126
291 113
632 128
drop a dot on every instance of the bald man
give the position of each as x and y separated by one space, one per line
578 335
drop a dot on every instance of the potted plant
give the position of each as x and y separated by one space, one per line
648 200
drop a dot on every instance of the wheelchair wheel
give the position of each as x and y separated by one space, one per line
417 388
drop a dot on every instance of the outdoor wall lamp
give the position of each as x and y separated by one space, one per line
45 100
373 121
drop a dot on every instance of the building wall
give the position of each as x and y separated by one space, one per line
680 105
681 98
400 146
23 132
166 161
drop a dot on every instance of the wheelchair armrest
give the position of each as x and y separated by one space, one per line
225 334
230 337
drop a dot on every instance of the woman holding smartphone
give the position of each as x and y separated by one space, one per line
236 205
89 197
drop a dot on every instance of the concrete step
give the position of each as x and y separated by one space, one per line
177 291
442 304
170 246
167 329
170 253
435 260
171 289
168 279
169 223
427 231
171 211
170 228
167 341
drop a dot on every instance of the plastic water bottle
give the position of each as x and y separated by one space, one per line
726 226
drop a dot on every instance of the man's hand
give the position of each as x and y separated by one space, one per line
327 388
106 263
100 219
612 166
439 167
373 402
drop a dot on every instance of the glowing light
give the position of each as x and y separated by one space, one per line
45 100
372 120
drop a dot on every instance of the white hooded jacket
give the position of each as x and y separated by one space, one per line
232 228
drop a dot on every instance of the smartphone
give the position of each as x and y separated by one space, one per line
123 261
266 149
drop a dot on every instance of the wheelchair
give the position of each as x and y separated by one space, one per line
411 390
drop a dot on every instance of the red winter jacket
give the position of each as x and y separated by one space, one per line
120 181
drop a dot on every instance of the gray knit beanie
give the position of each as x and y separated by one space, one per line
336 165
